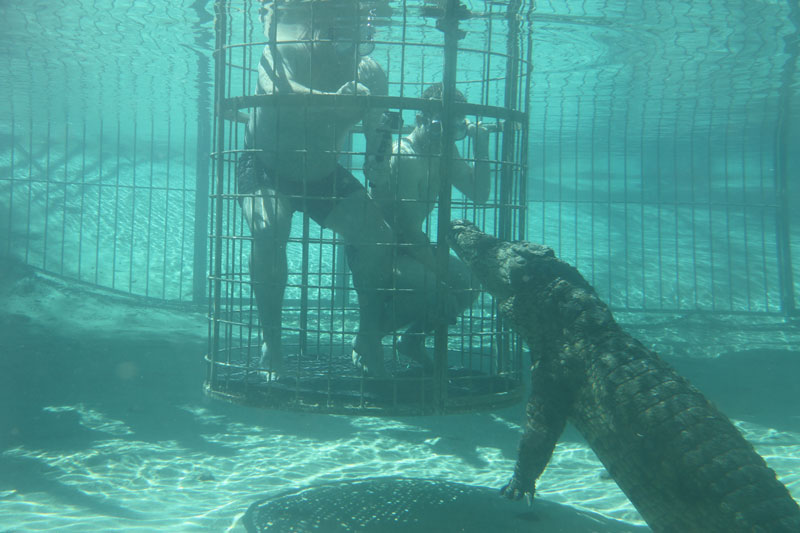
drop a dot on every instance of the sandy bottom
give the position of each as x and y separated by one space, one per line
104 426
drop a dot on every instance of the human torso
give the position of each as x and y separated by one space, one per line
421 180
304 142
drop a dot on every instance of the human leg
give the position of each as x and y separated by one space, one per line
420 313
370 246
461 293
268 216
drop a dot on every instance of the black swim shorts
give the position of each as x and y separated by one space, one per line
317 198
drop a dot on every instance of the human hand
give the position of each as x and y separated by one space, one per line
376 170
352 111
474 128
355 88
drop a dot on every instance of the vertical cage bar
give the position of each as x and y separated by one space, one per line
166 208
135 143
783 144
625 225
693 202
116 211
745 212
30 193
576 182
449 25
526 104
676 216
227 248
202 160
710 207
246 320
509 102
303 333
592 192
510 97
659 202
726 178
609 210
64 199
183 213
10 228
221 11
47 196
523 159
99 206
560 160
150 205
642 200
83 199
763 211
227 215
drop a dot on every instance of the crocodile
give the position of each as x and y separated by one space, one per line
681 462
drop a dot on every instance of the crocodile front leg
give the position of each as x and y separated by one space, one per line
547 411
681 462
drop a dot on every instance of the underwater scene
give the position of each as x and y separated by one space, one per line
383 266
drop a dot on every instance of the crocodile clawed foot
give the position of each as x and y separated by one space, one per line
515 490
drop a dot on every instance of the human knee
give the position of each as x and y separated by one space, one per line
461 300
266 237
371 266
267 258
359 220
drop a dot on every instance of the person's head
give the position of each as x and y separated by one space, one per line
431 122
346 24
343 23
351 34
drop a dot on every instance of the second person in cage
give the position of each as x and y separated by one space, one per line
408 195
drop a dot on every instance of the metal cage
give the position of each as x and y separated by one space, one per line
478 362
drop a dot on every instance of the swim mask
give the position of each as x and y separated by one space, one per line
459 128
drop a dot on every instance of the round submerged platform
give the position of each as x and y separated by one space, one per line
405 505
332 384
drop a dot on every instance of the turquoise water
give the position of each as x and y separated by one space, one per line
652 168
639 112
108 428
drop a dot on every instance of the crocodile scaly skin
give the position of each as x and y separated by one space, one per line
680 461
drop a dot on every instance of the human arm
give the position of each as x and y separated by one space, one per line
473 180
376 131
405 205
280 69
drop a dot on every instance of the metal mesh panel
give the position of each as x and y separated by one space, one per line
101 142
654 157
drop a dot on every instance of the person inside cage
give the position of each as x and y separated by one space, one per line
407 196
290 162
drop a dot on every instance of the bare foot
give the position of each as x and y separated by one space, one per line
413 347
271 363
